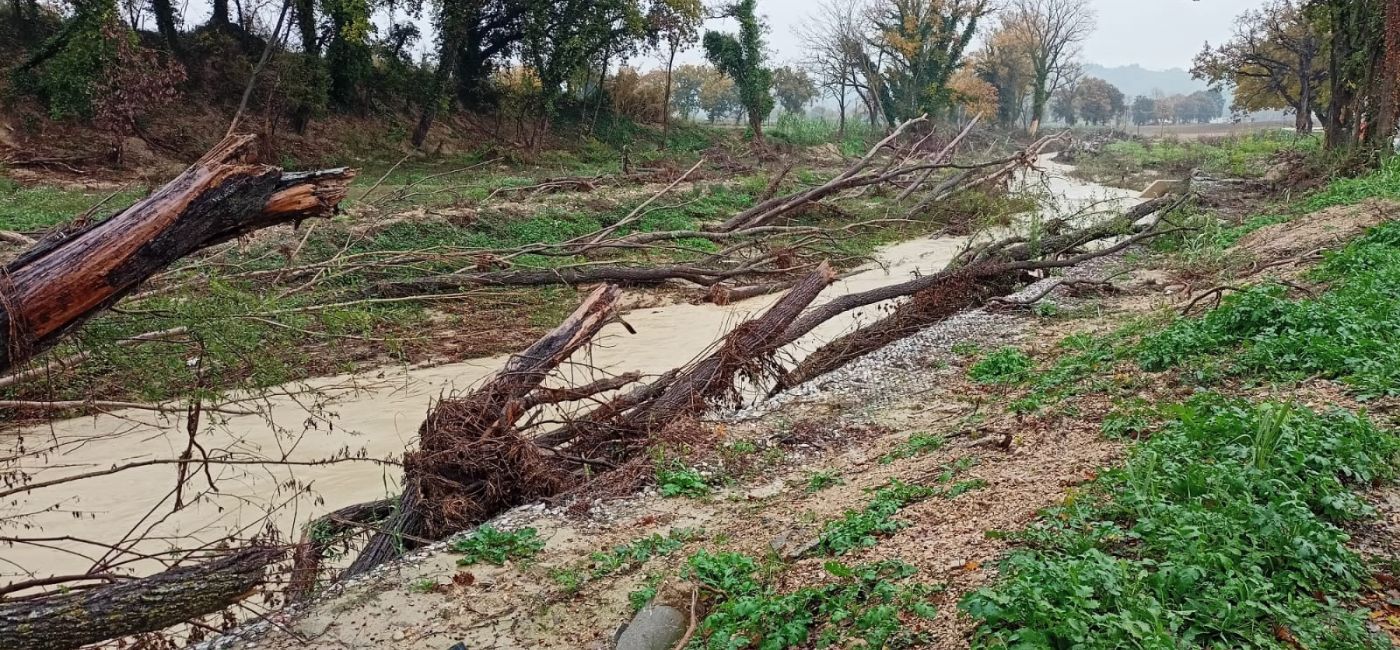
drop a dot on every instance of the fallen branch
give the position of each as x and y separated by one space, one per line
17 238
58 365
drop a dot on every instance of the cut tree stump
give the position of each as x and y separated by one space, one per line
64 280
76 618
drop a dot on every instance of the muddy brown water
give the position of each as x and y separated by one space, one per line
373 414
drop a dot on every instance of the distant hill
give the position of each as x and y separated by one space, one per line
1136 80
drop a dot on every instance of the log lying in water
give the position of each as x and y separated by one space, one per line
67 278
70 620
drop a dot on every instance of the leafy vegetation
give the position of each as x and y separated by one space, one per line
676 480
862 528
1222 530
818 481
863 604
638 552
493 546
1349 332
1005 366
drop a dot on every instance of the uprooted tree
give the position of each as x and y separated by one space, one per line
481 454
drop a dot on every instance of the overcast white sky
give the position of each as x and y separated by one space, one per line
1156 34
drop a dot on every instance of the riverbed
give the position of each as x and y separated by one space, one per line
359 418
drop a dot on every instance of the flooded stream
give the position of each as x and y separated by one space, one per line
374 414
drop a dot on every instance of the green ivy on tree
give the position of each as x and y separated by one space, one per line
741 59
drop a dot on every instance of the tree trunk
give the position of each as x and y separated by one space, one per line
666 98
165 24
69 277
756 124
447 62
311 58
1388 111
69 620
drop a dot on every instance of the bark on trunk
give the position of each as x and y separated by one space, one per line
666 98
77 618
65 280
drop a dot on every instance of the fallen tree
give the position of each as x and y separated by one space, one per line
471 461
978 275
474 461
772 246
69 276
75 618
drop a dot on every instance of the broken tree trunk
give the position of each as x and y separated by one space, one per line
76 618
471 462
744 351
325 531
65 280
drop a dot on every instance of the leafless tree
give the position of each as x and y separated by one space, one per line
832 36
1052 31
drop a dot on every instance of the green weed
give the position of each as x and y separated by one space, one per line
1351 332
637 552
1221 531
818 481
1006 366
863 605
676 480
859 529
917 445
492 546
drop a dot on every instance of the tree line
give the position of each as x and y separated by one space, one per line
545 61
1333 61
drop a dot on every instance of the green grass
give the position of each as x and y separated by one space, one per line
1226 526
807 132
917 445
492 546
1383 183
862 606
1240 156
1222 530
34 209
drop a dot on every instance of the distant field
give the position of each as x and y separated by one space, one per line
1198 131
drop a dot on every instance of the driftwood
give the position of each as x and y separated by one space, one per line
69 620
66 279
